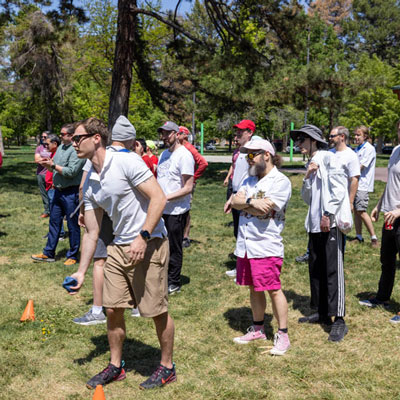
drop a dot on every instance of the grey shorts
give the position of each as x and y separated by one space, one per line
361 200
105 238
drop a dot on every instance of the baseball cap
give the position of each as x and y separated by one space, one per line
183 129
169 126
246 124
151 144
260 144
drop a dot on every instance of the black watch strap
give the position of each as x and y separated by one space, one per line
145 235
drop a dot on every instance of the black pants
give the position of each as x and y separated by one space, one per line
326 272
175 225
390 247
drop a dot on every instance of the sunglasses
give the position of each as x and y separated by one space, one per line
251 156
332 136
78 138
300 139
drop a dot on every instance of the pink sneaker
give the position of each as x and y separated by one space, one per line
251 335
281 344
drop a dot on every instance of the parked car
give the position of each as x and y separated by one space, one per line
387 149
296 149
210 146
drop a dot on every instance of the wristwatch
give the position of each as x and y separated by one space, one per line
53 167
145 235
248 200
327 214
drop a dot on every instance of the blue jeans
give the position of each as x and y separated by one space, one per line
64 203
50 194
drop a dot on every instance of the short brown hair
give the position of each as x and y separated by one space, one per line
364 130
94 125
70 128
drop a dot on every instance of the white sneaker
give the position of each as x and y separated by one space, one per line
135 312
231 273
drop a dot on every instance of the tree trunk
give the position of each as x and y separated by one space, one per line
379 144
123 61
1 143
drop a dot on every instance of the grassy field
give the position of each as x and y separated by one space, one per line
52 358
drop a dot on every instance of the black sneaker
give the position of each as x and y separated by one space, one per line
338 331
160 377
173 289
109 374
63 236
315 319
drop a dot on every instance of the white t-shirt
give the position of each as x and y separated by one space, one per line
240 173
260 237
171 167
391 196
88 164
115 190
348 160
367 157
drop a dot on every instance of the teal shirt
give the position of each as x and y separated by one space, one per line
71 167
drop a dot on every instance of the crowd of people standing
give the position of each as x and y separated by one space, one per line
135 211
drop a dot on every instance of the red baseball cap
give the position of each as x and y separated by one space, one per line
183 129
246 124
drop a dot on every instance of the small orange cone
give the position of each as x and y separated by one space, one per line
29 312
99 393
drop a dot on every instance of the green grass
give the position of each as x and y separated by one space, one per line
52 358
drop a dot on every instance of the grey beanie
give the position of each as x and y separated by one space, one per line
123 130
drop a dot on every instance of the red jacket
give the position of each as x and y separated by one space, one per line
200 161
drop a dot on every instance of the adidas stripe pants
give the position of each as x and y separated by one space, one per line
326 273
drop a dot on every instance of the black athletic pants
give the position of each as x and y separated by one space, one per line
390 247
175 225
326 273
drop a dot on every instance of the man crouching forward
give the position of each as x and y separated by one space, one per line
135 273
263 198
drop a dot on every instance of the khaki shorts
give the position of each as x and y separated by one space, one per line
144 285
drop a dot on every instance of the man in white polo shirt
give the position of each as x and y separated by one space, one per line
367 156
136 269
175 173
262 200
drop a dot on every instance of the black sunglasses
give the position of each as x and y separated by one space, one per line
300 139
77 138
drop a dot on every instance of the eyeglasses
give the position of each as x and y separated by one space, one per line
300 139
251 156
43 137
78 138
332 136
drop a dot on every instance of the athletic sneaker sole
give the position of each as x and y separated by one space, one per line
97 322
276 352
239 341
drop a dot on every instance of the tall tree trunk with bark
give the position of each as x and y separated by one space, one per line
123 61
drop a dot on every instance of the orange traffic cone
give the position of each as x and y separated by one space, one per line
29 312
99 393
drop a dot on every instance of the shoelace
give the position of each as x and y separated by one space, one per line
157 372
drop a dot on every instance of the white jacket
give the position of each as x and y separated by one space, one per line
333 185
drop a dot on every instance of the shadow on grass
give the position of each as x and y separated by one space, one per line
185 280
5 215
393 306
241 318
138 356
299 302
3 234
14 178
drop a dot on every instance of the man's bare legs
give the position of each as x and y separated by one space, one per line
116 333
359 218
98 279
279 307
165 331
